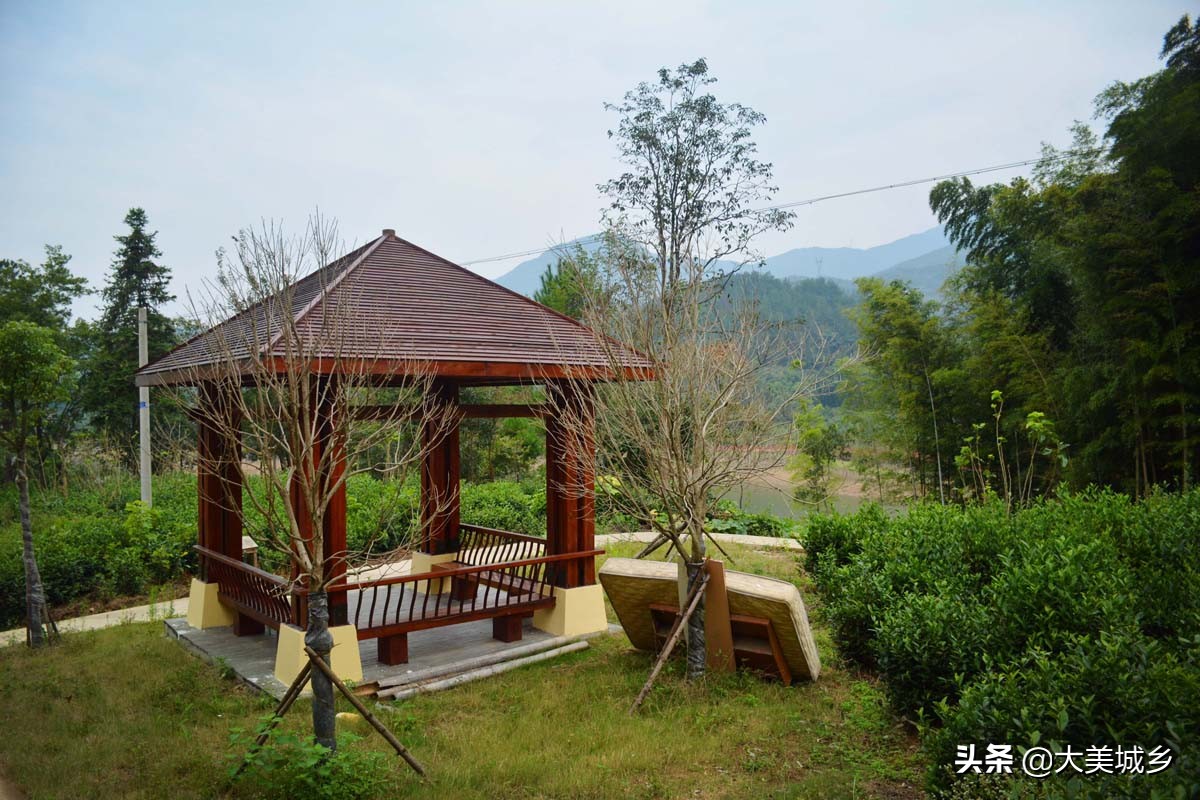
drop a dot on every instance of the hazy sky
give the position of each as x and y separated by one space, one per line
477 129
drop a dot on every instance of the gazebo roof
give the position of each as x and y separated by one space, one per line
398 303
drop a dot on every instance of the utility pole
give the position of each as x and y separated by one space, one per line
144 409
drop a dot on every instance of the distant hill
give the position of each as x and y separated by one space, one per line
926 272
526 277
924 259
848 263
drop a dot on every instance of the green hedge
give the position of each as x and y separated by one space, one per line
102 542
1074 622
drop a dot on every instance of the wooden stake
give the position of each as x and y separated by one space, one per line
693 600
400 749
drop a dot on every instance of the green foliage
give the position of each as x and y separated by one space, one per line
821 444
135 279
42 294
34 375
504 505
567 285
726 517
1081 296
1076 620
291 765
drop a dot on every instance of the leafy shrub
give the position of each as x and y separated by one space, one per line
291 766
381 515
503 505
837 538
727 517
1076 621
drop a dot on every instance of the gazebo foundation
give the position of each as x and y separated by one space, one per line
205 609
290 657
575 612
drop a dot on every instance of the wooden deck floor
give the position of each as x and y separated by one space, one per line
253 657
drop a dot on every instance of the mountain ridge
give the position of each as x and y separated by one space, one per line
925 259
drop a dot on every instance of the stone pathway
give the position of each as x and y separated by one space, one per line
764 542
107 619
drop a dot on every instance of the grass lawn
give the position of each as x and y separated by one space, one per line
125 712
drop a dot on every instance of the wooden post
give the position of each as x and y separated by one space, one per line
570 480
440 470
219 480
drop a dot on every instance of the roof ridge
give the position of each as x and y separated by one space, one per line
587 329
324 292
491 282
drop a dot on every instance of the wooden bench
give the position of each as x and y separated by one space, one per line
755 644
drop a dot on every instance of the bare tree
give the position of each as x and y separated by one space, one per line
291 364
680 223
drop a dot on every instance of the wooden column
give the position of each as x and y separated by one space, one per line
329 455
571 480
219 480
440 475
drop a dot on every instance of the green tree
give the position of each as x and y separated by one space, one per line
566 284
136 279
820 444
692 195
914 370
34 375
42 294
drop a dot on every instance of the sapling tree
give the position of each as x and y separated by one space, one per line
285 384
35 375
681 219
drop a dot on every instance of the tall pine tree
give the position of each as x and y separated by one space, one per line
135 279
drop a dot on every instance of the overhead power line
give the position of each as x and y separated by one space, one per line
1062 156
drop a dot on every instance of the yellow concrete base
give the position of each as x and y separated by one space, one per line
205 609
423 562
576 611
290 657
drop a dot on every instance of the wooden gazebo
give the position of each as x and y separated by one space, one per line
468 331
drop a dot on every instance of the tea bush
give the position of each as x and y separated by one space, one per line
290 765
1076 621
102 542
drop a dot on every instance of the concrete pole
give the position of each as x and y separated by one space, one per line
144 410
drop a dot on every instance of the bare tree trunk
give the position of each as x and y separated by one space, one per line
937 445
35 595
318 637
696 652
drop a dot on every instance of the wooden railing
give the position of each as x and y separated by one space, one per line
496 573
478 546
254 592
403 604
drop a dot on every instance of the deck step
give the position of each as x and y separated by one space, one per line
447 670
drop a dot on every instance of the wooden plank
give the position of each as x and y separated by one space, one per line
718 632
